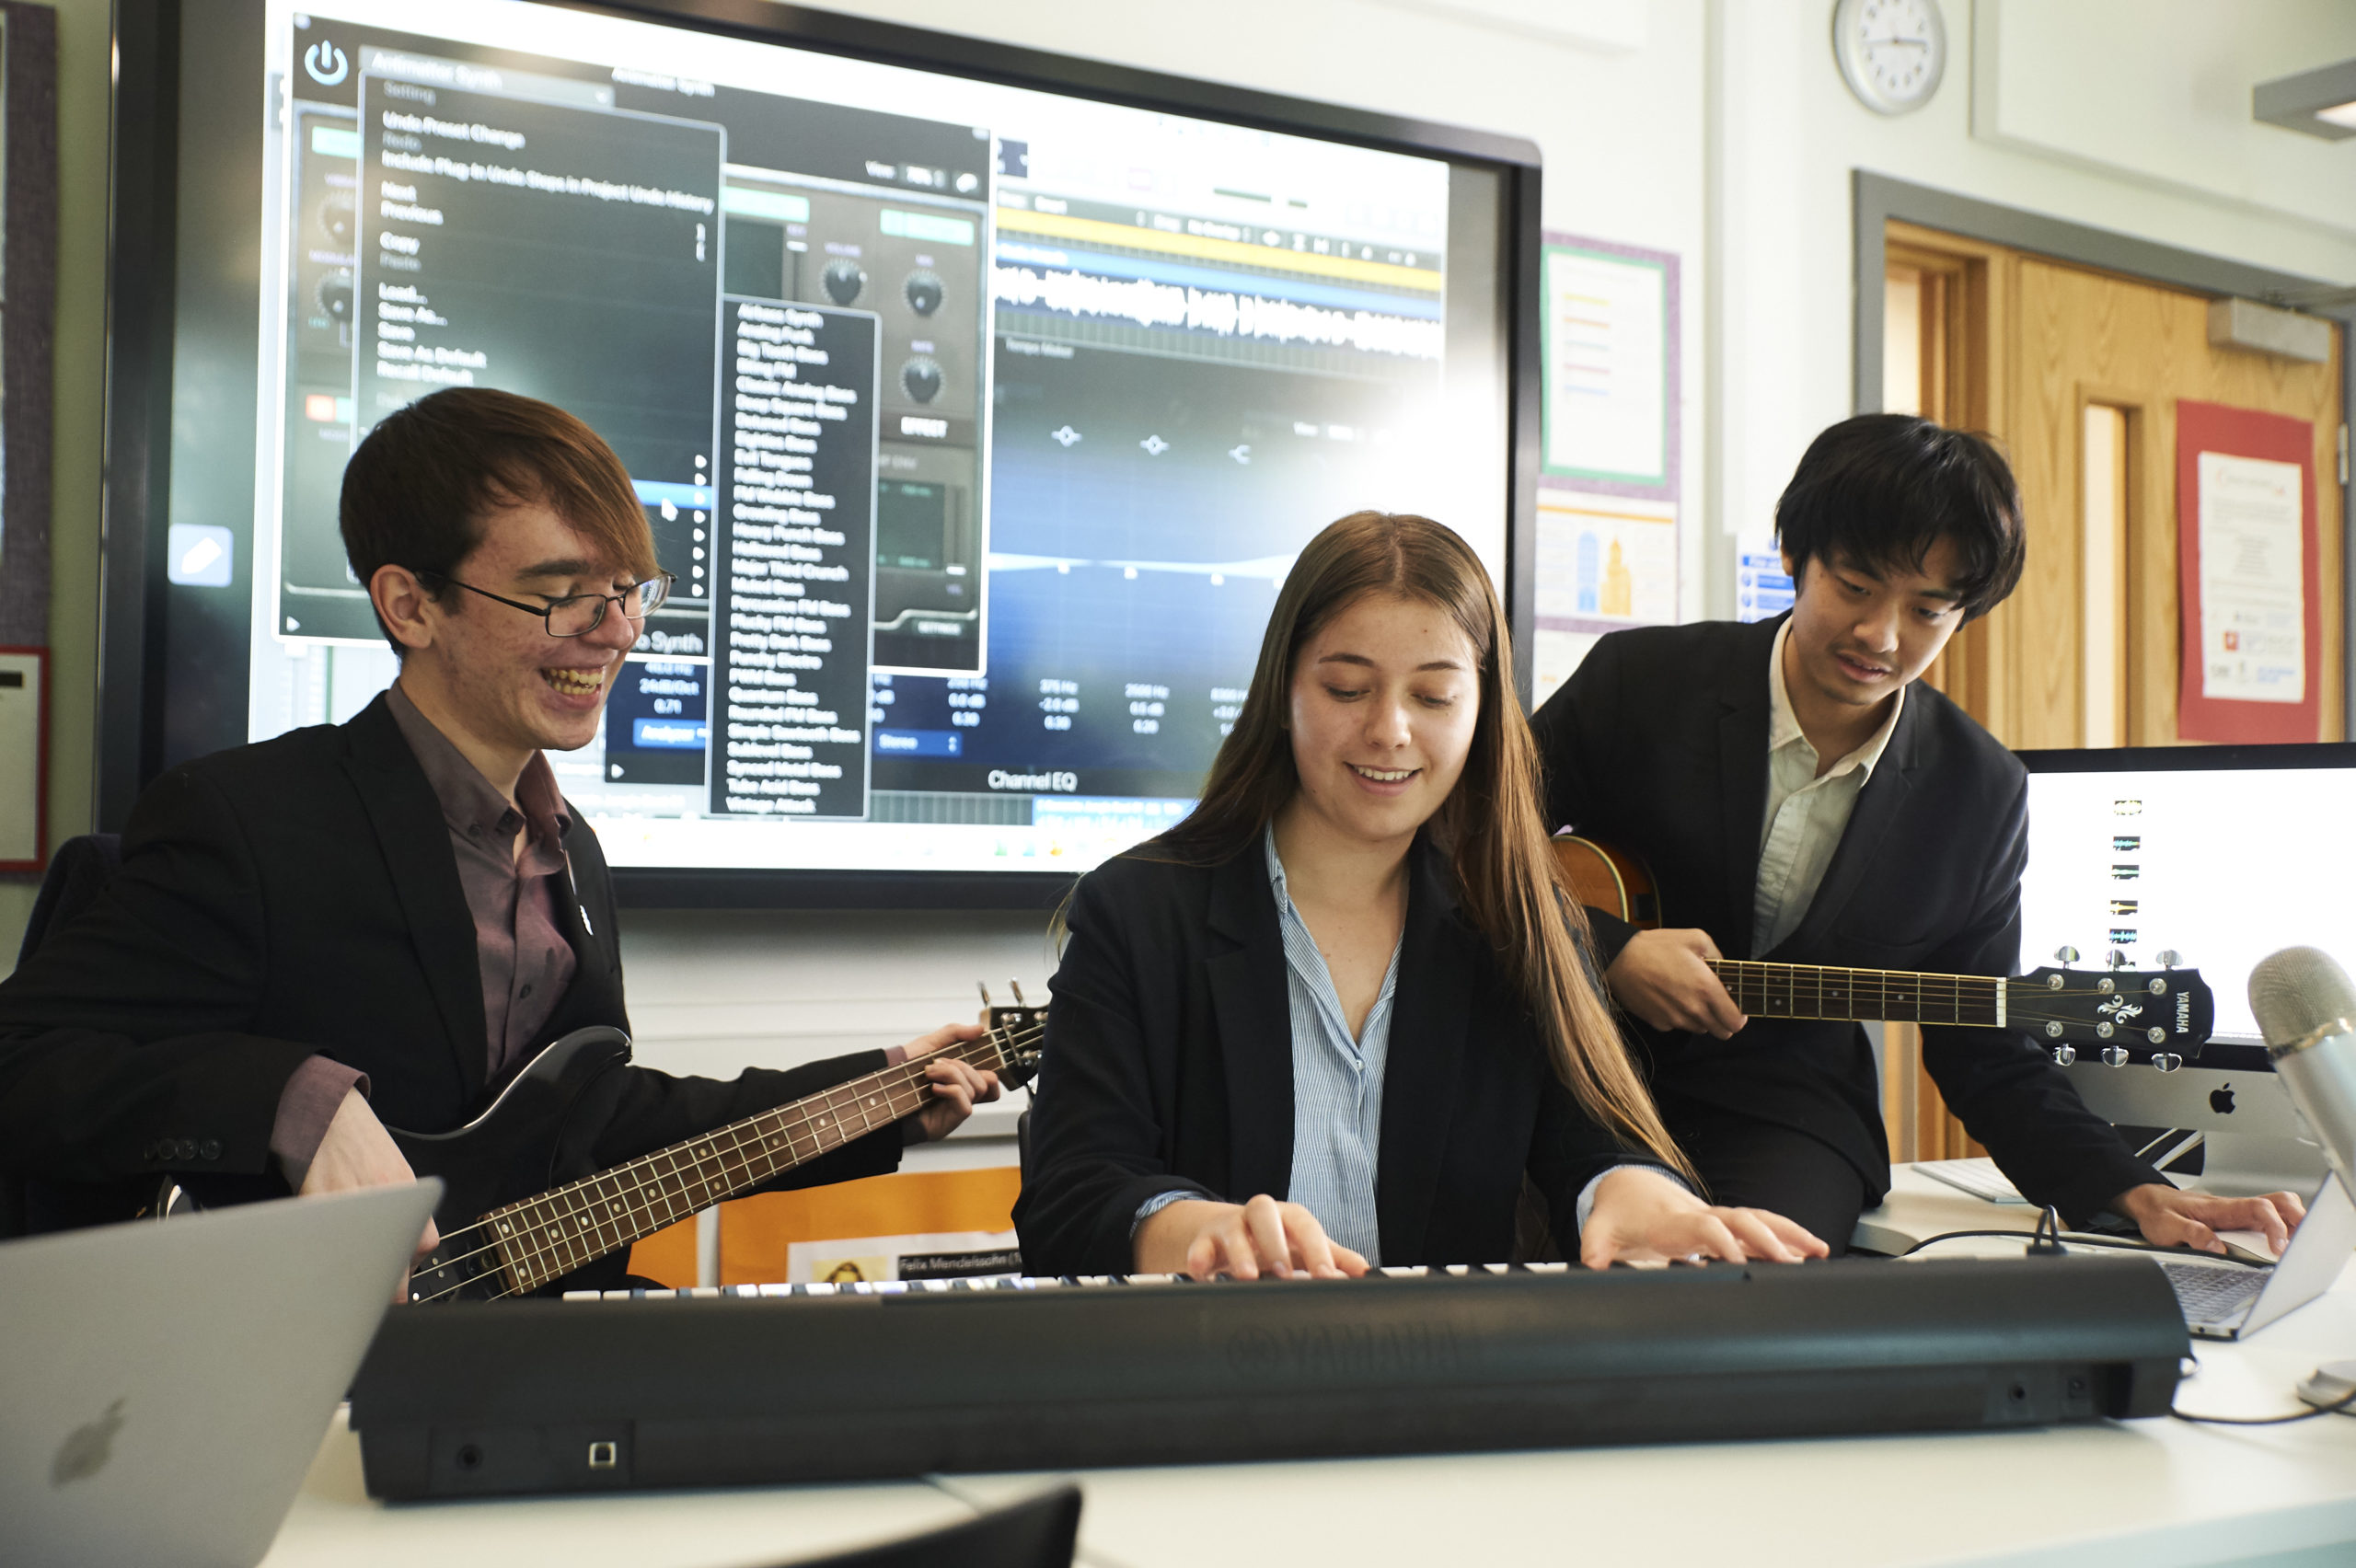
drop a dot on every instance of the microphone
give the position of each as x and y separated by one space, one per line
2306 1010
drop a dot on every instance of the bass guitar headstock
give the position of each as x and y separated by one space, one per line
2159 1016
1018 1032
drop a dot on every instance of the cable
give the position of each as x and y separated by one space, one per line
2045 1241
2336 1407
2080 1238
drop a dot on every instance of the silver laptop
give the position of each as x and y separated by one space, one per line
168 1384
2231 1301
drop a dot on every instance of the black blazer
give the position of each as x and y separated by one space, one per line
1659 743
300 897
1169 1066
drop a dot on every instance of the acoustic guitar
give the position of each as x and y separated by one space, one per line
2160 1015
501 1238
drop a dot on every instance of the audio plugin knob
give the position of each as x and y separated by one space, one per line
923 289
843 280
922 378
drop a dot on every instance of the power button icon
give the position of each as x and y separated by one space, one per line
327 64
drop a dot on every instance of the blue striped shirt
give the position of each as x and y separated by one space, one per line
1336 1083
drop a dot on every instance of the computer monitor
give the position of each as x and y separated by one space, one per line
2220 855
979 399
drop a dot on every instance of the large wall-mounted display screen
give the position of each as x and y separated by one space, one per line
980 423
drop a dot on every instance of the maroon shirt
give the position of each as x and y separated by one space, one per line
525 961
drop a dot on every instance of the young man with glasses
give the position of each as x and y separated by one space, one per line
379 923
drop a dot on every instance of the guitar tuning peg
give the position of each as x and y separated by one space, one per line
2116 958
2065 955
2167 958
983 987
1018 994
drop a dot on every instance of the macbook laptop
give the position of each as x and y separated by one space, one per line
2230 1300
168 1384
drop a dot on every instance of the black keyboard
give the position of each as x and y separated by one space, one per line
1019 1281
760 1385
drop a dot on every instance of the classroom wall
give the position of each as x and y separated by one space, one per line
2142 81
1717 129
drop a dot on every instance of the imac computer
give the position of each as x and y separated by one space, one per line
2220 855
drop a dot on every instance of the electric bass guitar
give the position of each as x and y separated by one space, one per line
2161 1017
502 1238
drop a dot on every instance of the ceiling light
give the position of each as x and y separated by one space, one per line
2320 103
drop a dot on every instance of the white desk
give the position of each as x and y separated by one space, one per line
2149 1493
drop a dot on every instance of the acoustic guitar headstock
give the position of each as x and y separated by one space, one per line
2161 1015
1020 1033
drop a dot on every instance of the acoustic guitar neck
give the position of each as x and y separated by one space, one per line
1814 991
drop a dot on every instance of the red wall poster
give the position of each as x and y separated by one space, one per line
2252 652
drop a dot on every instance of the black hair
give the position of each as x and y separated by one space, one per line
1880 489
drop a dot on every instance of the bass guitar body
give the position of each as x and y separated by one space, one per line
506 1153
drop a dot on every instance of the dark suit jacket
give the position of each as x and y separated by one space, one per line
1658 744
1169 1066
300 897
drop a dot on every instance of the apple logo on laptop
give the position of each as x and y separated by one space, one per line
88 1448
2221 1100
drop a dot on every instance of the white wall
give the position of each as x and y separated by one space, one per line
2153 73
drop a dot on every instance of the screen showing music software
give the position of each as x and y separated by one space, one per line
2221 866
978 424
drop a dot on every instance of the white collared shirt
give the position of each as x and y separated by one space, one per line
1805 816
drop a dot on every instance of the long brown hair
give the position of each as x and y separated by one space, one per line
1508 883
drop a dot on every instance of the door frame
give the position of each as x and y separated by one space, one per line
1877 199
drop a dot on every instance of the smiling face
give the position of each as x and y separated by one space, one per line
1383 707
1859 636
491 672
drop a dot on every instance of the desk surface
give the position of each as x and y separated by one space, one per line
2151 1493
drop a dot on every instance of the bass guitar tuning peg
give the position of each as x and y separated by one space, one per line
2065 955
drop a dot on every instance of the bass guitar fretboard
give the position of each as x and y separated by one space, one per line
547 1237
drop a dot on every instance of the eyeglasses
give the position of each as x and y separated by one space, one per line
578 614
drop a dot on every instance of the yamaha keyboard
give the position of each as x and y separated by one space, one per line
771 1384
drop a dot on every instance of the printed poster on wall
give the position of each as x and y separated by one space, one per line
1608 550
1604 562
2245 533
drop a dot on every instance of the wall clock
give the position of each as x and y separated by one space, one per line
1892 53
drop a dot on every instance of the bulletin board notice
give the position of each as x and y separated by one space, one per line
2251 655
1608 329
1607 541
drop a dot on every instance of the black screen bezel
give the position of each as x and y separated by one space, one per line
134 692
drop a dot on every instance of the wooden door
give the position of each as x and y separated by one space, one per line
2077 373
2091 352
